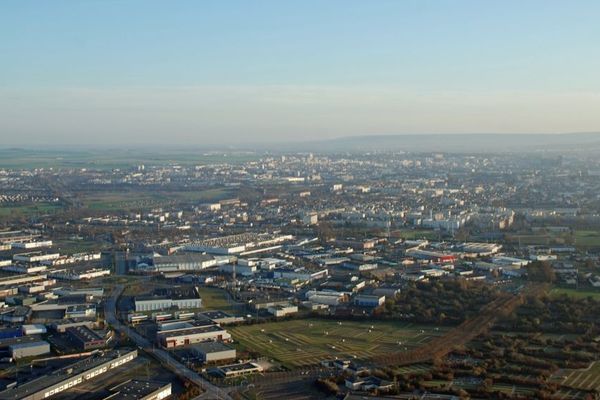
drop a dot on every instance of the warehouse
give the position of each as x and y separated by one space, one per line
198 334
182 262
213 351
28 349
364 300
169 298
140 390
67 377
229 371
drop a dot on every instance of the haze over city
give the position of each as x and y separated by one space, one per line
151 72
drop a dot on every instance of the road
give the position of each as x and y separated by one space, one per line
110 314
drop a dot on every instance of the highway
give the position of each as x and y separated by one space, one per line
110 314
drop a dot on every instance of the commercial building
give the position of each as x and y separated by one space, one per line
67 377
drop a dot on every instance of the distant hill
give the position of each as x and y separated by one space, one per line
456 143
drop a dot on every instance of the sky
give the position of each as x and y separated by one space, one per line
225 72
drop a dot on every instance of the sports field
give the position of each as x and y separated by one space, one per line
308 341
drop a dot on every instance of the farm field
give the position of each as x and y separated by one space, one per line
297 343
102 159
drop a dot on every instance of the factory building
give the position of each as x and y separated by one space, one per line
84 338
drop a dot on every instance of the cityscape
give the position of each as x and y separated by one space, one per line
299 200
303 275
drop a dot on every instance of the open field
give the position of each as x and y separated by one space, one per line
413 234
579 293
107 159
30 209
132 200
308 341
215 299
586 238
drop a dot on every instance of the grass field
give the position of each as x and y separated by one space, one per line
116 158
214 299
132 200
557 291
587 238
585 379
308 341
30 209
413 234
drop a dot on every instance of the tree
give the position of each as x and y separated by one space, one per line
541 271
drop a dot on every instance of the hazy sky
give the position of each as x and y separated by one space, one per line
89 72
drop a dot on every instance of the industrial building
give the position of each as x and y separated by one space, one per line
282 311
364 300
166 299
85 338
67 377
181 262
140 390
28 349
213 351
219 317
182 337
229 371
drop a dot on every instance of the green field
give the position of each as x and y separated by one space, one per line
587 238
135 200
414 234
29 209
215 299
579 293
106 159
308 341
